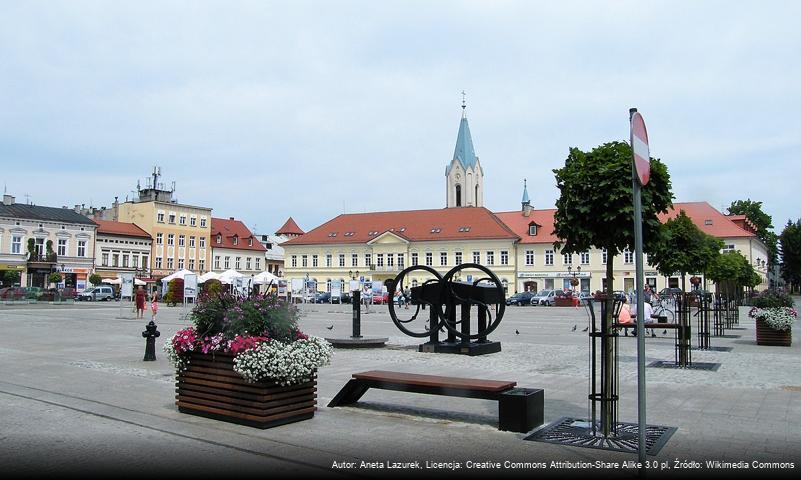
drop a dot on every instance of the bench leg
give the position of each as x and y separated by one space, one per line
350 393
521 410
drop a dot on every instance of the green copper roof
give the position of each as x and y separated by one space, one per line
464 152
525 200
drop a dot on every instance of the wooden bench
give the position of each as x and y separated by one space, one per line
519 409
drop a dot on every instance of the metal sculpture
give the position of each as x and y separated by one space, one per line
443 295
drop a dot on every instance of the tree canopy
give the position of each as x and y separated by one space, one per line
683 247
732 271
761 220
790 240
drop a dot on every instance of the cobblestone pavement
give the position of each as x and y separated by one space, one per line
76 397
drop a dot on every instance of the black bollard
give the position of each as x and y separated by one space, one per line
357 314
150 334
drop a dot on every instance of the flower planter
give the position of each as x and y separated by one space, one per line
211 388
771 337
566 301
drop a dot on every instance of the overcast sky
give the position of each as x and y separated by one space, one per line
262 110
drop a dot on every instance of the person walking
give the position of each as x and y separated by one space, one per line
154 306
140 299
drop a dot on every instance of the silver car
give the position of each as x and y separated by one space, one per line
99 293
544 297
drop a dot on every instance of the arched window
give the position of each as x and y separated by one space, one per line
476 199
458 195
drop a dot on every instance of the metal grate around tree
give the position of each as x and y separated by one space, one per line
579 433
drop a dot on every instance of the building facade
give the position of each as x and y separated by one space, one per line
122 248
233 246
37 241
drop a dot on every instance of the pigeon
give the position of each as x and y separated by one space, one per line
586 329
330 327
574 328
664 332
517 332
653 335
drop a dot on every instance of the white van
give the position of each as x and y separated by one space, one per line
100 292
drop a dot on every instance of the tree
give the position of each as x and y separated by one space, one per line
11 277
55 277
683 248
790 240
95 279
175 292
731 271
761 220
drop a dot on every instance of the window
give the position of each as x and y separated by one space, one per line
159 239
125 261
414 258
532 230
341 259
490 258
180 264
191 265
400 261
192 241
169 263
62 246
134 261
105 259
504 257
219 238
327 259
182 220
529 257
236 263
202 242
304 260
181 240
477 257
144 261
227 262
585 258
172 220
250 242
236 240
390 260
379 259
368 262
727 248
171 239
16 244
457 258
258 264
628 256
443 258
158 262
160 217
314 261
548 257
201 264
429 259
192 223
216 262
567 259
354 260
202 222
604 255
81 248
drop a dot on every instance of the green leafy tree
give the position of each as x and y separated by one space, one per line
95 279
790 240
54 277
731 271
175 292
683 248
11 277
31 248
763 223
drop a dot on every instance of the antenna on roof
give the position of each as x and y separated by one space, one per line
27 199
464 104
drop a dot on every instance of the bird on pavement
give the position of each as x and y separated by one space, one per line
330 327
653 335
517 332
586 329
664 332
574 328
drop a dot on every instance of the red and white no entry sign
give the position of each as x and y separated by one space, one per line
639 144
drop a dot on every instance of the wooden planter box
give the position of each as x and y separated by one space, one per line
771 337
210 387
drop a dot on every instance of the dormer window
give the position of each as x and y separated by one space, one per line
708 221
219 238
436 230
349 234
532 229
250 242
236 240
464 229
332 234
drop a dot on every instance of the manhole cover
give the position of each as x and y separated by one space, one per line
578 433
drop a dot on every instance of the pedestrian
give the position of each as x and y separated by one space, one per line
154 306
140 302
647 293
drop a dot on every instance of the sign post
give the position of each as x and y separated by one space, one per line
641 173
126 288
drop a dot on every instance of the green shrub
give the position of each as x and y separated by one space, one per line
175 292
772 299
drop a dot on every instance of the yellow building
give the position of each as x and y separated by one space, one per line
181 233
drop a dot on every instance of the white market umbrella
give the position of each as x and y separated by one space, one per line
208 276
265 278
179 274
228 276
111 281
139 282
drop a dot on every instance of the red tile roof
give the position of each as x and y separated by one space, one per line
465 223
228 229
289 228
121 228
704 215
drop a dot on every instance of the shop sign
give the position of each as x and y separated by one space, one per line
554 275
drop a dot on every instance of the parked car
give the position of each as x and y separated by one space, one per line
520 299
322 297
12 293
670 291
544 297
381 297
99 293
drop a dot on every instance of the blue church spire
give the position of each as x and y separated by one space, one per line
525 200
464 151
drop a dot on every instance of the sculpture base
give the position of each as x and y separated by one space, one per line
471 349
358 342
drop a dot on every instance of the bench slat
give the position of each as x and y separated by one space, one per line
435 381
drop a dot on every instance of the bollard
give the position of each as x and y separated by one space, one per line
150 334
357 314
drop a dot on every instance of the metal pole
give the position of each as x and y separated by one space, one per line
357 314
640 274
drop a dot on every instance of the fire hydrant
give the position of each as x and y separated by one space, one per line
150 333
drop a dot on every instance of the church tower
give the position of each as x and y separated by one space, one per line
464 178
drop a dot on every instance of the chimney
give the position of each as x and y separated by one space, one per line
77 209
230 218
526 210
8 199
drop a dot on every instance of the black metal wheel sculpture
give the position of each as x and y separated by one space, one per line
404 324
455 294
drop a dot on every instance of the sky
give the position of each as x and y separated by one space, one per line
264 110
